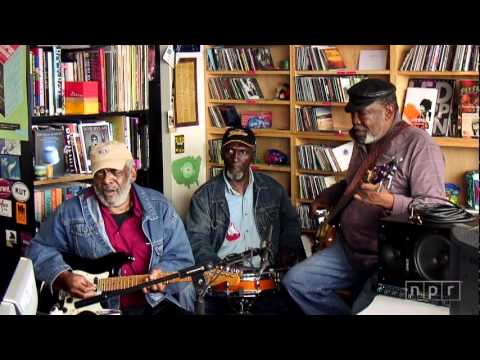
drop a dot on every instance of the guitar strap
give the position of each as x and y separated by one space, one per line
377 150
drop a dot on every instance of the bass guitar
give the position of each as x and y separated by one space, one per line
326 232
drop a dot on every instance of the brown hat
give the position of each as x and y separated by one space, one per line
110 155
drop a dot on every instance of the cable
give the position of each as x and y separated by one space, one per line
422 212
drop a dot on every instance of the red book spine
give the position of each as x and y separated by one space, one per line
102 88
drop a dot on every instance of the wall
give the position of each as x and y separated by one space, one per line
195 136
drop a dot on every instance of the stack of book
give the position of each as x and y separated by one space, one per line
314 118
306 222
48 198
325 157
325 89
215 151
234 88
319 58
239 59
311 186
442 58
121 72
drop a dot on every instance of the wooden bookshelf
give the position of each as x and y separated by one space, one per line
64 179
461 154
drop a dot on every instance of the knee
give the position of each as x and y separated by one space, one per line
293 278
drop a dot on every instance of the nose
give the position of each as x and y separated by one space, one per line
107 177
356 119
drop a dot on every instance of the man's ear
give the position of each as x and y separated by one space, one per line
134 173
389 112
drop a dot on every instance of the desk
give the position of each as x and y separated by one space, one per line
386 305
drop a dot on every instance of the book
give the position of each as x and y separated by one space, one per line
444 105
419 108
372 60
257 119
49 148
343 155
470 124
91 135
323 118
334 58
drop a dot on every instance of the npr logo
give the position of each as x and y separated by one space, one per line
433 290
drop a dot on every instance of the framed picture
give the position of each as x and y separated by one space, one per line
186 113
91 135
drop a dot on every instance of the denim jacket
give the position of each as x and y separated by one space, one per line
77 228
208 218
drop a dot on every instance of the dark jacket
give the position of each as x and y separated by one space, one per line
208 219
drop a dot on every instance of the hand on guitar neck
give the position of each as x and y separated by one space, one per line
373 195
155 274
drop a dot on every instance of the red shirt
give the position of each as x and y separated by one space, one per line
130 238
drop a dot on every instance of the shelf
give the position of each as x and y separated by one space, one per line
320 103
342 72
260 167
468 143
439 73
37 119
339 135
248 73
64 179
251 102
257 132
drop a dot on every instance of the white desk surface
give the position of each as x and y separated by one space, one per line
386 305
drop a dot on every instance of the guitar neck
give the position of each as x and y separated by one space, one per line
125 282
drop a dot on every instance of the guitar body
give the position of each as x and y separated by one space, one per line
324 237
68 301
105 266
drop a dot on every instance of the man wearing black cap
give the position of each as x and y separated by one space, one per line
379 135
241 209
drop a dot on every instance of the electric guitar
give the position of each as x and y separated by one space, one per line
105 282
326 233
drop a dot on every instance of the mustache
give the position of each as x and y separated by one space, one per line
359 128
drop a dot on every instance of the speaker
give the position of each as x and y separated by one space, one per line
434 263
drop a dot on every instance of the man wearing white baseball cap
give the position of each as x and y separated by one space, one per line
116 215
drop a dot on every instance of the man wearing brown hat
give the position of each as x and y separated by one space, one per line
240 210
379 135
116 215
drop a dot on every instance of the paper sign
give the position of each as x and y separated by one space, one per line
11 238
5 208
21 213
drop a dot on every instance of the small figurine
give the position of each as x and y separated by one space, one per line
283 92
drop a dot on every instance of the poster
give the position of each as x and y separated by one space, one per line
13 93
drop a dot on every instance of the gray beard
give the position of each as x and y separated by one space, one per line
369 139
122 195
234 176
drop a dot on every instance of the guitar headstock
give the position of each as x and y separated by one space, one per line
221 274
380 173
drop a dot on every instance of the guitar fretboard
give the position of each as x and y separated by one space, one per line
125 282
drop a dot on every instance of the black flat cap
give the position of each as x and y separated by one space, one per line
366 92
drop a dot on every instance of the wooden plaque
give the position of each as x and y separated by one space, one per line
186 92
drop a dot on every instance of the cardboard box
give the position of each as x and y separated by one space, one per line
81 97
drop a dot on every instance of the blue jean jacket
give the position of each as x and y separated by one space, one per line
77 228
208 219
